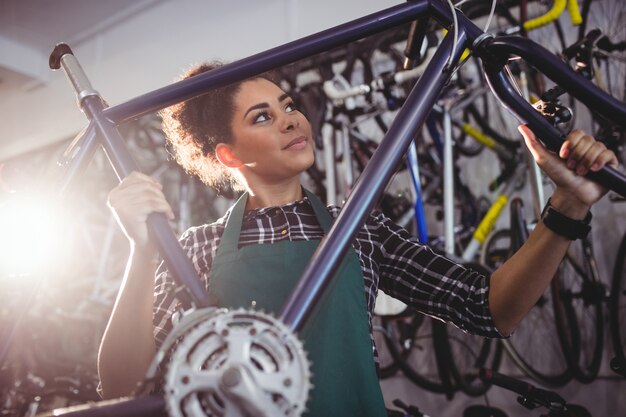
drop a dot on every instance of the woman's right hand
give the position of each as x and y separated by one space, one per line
137 196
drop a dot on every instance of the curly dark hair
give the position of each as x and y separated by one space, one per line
194 128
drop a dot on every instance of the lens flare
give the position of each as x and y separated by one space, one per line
30 236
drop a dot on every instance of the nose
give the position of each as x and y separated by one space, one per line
290 122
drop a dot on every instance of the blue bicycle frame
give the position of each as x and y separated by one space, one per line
494 52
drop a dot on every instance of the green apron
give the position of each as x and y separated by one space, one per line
337 336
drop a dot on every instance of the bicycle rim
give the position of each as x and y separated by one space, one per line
617 306
469 353
387 366
581 296
610 17
413 350
535 346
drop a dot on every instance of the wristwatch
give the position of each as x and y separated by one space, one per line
565 226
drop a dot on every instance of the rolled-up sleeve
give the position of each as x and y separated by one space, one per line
433 284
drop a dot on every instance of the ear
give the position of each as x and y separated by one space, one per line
225 155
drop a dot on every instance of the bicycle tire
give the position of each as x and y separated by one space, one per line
610 17
387 365
470 353
542 361
617 307
581 296
412 349
471 77
608 60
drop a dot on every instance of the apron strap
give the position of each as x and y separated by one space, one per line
232 229
320 210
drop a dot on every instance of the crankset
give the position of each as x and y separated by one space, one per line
236 363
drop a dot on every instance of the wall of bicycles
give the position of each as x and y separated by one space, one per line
53 315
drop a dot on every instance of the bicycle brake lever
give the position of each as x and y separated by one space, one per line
549 135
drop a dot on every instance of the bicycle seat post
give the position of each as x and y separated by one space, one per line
123 164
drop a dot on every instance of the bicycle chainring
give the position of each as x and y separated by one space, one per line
238 363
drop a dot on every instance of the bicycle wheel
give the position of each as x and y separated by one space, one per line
470 78
608 59
469 353
609 53
495 250
534 347
617 309
409 340
580 295
387 366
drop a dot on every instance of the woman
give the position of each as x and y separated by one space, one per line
252 136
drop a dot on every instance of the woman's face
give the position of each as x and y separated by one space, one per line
271 137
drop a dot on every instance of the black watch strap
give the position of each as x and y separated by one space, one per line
565 226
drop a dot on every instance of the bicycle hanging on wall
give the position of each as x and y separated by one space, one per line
239 387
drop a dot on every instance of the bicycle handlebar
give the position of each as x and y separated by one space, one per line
563 75
554 13
378 84
534 396
574 12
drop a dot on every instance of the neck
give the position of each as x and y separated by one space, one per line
277 194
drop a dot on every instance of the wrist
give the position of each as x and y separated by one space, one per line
568 205
563 225
145 253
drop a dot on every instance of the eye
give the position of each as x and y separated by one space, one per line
261 117
290 107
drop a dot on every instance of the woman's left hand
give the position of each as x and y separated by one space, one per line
579 154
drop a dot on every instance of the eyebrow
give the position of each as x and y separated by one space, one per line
281 98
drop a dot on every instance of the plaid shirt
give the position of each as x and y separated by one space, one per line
391 260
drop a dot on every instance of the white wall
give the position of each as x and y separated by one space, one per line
148 50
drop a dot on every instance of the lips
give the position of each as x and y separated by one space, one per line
297 141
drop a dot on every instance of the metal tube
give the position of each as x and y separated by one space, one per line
549 135
561 73
160 230
123 164
270 59
534 172
328 137
83 149
347 158
418 211
448 183
151 406
369 187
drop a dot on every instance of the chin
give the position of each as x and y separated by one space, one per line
310 162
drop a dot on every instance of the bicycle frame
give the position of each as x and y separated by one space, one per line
367 190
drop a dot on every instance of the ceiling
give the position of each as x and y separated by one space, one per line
129 47
29 30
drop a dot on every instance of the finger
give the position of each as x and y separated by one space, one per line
135 197
136 186
578 151
573 138
536 148
155 205
607 157
137 208
589 158
575 143
162 206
